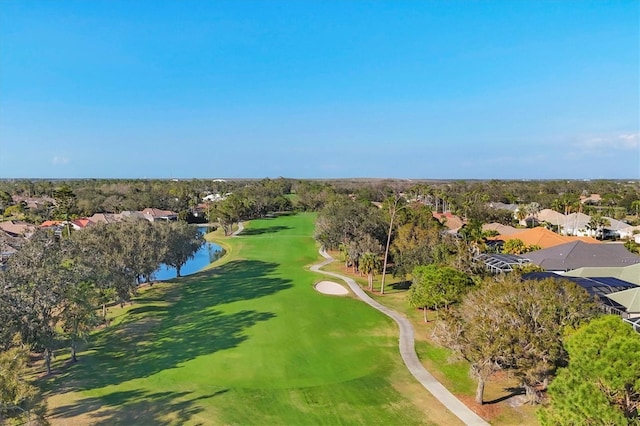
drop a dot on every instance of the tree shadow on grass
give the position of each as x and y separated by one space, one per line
152 338
134 407
401 285
512 392
267 230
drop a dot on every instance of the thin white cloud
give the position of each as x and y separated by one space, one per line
59 160
606 144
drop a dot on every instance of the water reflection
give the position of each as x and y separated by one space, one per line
207 254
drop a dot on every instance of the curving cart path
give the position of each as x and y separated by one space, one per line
408 352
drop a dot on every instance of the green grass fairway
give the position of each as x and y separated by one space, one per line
248 341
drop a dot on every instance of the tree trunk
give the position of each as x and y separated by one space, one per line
178 270
370 282
386 253
532 394
47 360
480 391
74 358
104 312
424 313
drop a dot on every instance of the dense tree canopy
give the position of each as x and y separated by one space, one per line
437 287
517 326
601 384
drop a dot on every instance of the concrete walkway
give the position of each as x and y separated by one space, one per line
239 230
408 352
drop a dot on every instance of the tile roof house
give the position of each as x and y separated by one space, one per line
500 228
502 206
578 254
543 238
105 218
50 223
34 203
591 199
152 214
451 221
17 228
81 223
552 217
630 232
576 224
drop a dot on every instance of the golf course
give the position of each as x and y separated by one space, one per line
248 340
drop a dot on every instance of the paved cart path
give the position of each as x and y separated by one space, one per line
408 351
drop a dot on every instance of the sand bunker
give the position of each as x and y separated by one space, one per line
329 287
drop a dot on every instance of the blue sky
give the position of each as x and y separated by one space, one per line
507 89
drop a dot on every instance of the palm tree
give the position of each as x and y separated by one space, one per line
597 224
370 264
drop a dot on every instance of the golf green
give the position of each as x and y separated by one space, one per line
248 341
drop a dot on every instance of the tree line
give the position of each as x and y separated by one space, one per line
464 198
54 290
526 328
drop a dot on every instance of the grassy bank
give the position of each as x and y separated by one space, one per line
248 341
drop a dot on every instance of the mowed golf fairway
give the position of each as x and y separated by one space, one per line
246 342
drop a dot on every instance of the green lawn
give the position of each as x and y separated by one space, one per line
248 341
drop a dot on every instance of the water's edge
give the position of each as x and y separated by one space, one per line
208 253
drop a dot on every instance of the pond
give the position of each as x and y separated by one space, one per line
208 253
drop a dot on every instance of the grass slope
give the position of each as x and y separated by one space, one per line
248 341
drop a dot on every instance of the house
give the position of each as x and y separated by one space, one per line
576 224
34 203
629 233
592 199
497 262
502 206
81 223
500 228
614 227
629 273
451 221
51 224
600 288
543 238
105 218
578 254
152 214
551 217
629 299
16 228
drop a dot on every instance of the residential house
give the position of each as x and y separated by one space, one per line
576 224
152 214
593 199
552 217
578 254
451 221
600 288
81 223
629 299
34 203
500 228
17 228
629 273
543 238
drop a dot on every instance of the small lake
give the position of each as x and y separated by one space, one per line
208 253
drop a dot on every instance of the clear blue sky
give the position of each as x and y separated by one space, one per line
320 89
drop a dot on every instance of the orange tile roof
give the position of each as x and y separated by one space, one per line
543 238
48 223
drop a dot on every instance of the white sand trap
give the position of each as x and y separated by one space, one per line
329 287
